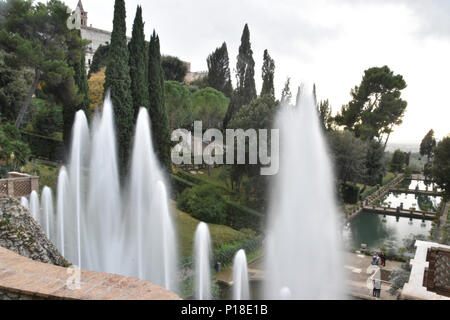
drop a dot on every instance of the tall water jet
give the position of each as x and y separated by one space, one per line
303 255
102 221
241 289
149 227
61 203
24 202
35 207
79 159
202 251
47 213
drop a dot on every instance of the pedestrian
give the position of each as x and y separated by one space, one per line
377 288
383 259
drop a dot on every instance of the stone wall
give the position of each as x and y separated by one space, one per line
20 233
24 279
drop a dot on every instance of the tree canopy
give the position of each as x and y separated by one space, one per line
174 68
219 76
428 144
441 165
210 106
179 105
376 105
268 73
118 83
39 38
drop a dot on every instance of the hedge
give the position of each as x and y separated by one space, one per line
350 193
238 216
45 147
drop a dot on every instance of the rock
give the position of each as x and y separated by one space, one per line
20 233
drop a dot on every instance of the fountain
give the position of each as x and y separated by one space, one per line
63 185
202 251
47 213
24 202
240 277
101 226
35 208
150 221
303 255
78 162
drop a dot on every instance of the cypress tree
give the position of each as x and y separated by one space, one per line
82 103
138 64
157 107
268 71
219 76
245 67
118 82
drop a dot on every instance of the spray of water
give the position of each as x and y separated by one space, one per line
240 277
202 251
35 207
24 202
62 196
101 227
303 255
47 212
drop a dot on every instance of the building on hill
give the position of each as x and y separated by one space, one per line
96 36
101 37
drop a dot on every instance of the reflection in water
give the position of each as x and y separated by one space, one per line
418 202
375 230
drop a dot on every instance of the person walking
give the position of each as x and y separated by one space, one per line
377 287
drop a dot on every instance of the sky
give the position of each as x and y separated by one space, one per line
326 42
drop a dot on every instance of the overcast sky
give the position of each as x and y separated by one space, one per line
327 42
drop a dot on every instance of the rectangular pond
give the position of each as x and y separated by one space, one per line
376 231
416 201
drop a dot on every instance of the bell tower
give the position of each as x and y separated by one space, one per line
84 14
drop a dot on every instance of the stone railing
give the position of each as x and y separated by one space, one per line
19 184
24 279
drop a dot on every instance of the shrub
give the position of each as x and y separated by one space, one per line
203 202
13 152
350 193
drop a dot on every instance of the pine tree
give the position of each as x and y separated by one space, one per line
138 64
219 76
118 83
268 71
157 107
245 67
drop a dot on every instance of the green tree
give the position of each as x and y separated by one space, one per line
219 76
70 109
245 68
399 159
138 65
427 145
179 105
14 85
210 106
157 106
118 82
174 69
99 60
374 163
441 165
325 117
268 72
376 105
204 203
349 155
40 39
258 114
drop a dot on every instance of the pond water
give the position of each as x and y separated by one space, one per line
419 202
412 184
375 231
